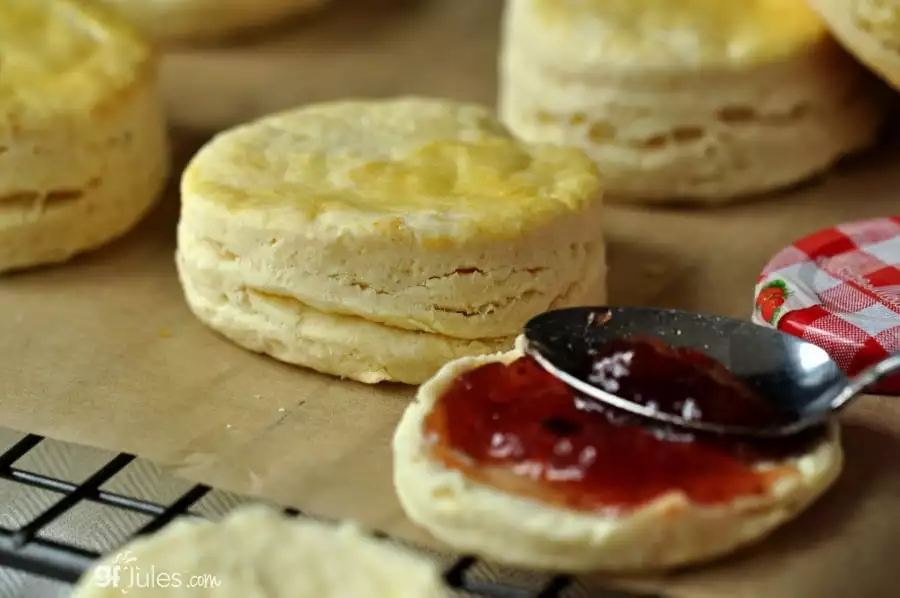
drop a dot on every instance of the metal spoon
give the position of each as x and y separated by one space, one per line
798 377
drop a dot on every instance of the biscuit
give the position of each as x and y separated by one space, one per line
385 232
83 141
178 21
667 532
870 29
676 100
256 552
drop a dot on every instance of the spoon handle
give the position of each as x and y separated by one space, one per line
866 378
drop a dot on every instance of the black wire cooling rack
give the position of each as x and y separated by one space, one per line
23 548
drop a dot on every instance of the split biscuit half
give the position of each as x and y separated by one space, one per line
667 532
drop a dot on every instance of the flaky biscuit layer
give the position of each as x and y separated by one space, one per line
83 142
256 552
263 320
670 531
679 128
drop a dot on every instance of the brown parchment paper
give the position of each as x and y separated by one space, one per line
104 352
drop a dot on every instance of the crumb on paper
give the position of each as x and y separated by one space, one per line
164 333
281 410
257 397
228 426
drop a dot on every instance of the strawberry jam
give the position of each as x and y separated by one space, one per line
680 381
521 430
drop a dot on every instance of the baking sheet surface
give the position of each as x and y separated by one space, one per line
104 352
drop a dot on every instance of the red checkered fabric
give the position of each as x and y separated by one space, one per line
839 289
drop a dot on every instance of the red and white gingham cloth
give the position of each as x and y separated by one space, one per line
839 288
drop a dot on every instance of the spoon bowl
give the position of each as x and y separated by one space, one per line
797 377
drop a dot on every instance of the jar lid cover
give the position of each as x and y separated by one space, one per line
839 288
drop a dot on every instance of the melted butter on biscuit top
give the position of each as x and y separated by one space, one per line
683 31
63 53
436 167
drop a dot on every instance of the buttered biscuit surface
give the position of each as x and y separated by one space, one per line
666 32
65 45
82 132
440 171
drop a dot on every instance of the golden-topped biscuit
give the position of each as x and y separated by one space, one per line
444 172
702 100
320 234
83 144
696 32
62 54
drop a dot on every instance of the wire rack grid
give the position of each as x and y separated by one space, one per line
22 548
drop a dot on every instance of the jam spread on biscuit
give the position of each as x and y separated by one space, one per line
680 381
521 430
